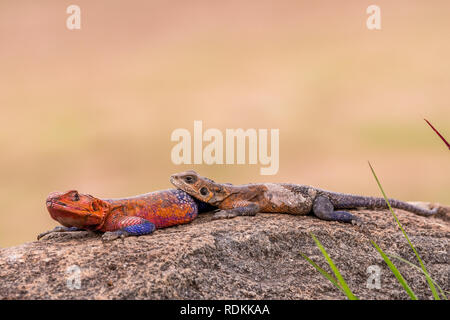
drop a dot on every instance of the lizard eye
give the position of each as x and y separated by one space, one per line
204 191
94 206
76 197
189 179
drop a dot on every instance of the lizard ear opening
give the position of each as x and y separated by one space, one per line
204 191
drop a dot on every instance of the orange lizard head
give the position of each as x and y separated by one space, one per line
199 187
72 209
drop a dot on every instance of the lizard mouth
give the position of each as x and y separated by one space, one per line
61 206
58 209
174 180
180 185
55 204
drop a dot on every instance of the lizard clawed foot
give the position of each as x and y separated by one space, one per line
61 232
65 235
360 223
357 222
54 230
113 235
224 214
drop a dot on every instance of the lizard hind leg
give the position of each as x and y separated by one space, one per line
129 226
324 209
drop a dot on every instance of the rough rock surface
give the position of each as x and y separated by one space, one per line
242 258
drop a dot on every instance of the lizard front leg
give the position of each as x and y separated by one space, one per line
250 209
324 209
127 226
64 232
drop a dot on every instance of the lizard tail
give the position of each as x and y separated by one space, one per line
344 201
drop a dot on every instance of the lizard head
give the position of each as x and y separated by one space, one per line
73 209
199 187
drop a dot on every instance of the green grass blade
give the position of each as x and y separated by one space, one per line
420 269
333 267
323 272
422 265
395 271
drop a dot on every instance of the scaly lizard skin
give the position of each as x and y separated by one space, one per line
133 216
249 199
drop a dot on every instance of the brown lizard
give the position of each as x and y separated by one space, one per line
249 199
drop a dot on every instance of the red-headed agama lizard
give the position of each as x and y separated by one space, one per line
133 216
249 199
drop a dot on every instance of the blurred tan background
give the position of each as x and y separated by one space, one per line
93 109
